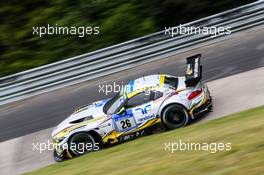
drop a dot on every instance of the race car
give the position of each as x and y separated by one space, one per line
153 100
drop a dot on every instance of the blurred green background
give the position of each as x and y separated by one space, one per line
118 21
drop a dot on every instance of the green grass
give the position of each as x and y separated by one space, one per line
146 155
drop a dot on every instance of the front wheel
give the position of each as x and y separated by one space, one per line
175 116
57 157
81 143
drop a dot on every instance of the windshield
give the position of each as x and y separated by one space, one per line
114 104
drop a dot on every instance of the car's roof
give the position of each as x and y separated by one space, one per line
144 82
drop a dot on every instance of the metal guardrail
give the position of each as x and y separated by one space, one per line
122 56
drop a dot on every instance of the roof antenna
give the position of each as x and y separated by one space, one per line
144 77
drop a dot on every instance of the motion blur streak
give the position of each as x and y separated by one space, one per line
237 54
21 157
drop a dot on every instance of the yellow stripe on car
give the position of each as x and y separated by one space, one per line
64 132
203 101
147 124
113 135
162 79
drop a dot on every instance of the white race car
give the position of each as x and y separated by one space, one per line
154 100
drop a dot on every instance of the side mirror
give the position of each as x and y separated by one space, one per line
122 110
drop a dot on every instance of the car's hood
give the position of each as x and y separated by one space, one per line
90 112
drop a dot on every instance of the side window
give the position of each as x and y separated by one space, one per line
139 99
156 95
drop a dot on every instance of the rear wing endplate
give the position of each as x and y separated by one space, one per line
193 73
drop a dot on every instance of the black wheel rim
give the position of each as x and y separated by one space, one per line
81 144
175 117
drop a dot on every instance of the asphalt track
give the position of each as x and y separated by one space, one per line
237 53
21 156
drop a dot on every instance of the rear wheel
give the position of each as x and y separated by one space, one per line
175 116
81 143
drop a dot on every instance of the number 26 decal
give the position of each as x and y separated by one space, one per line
125 123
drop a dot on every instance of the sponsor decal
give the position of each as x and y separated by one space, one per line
124 122
145 109
131 136
146 118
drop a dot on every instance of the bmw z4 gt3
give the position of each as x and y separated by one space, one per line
142 104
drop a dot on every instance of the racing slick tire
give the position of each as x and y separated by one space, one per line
175 116
58 158
81 143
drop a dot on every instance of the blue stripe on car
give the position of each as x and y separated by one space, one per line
131 85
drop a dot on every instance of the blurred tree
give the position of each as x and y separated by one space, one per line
118 21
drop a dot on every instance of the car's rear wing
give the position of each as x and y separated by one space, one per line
193 73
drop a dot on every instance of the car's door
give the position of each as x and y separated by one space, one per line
137 110
142 107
